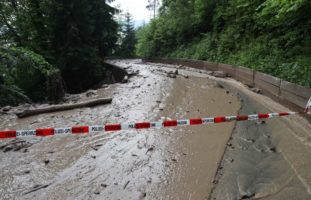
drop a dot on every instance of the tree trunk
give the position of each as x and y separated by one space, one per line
55 108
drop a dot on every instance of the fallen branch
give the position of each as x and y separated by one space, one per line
55 108
36 188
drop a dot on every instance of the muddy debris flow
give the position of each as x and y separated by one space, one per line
232 160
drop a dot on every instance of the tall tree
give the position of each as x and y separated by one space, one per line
153 5
127 48
272 36
72 35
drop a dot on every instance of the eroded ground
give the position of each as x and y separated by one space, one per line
268 160
152 164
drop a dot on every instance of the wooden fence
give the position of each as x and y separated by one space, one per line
272 86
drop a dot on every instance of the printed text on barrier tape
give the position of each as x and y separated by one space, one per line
138 125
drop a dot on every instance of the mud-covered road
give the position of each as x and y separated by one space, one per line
248 160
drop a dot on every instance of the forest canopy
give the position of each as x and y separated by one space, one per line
41 37
271 36
52 47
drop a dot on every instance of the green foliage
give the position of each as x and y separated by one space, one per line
73 35
83 33
128 38
179 23
12 95
272 36
23 74
145 45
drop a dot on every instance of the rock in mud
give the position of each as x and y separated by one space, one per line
6 108
26 171
150 149
15 145
96 147
142 195
91 93
161 107
46 161
220 74
209 73
171 75
219 85
261 122
215 181
247 197
72 98
273 149
125 79
256 90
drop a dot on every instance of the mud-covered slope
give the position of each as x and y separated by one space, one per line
152 164
263 160
267 159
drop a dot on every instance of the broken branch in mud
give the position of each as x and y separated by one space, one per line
36 188
125 185
54 108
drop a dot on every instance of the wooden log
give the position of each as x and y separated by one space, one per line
55 108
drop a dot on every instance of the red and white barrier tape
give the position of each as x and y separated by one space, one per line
138 125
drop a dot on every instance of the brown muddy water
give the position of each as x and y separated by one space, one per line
176 163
